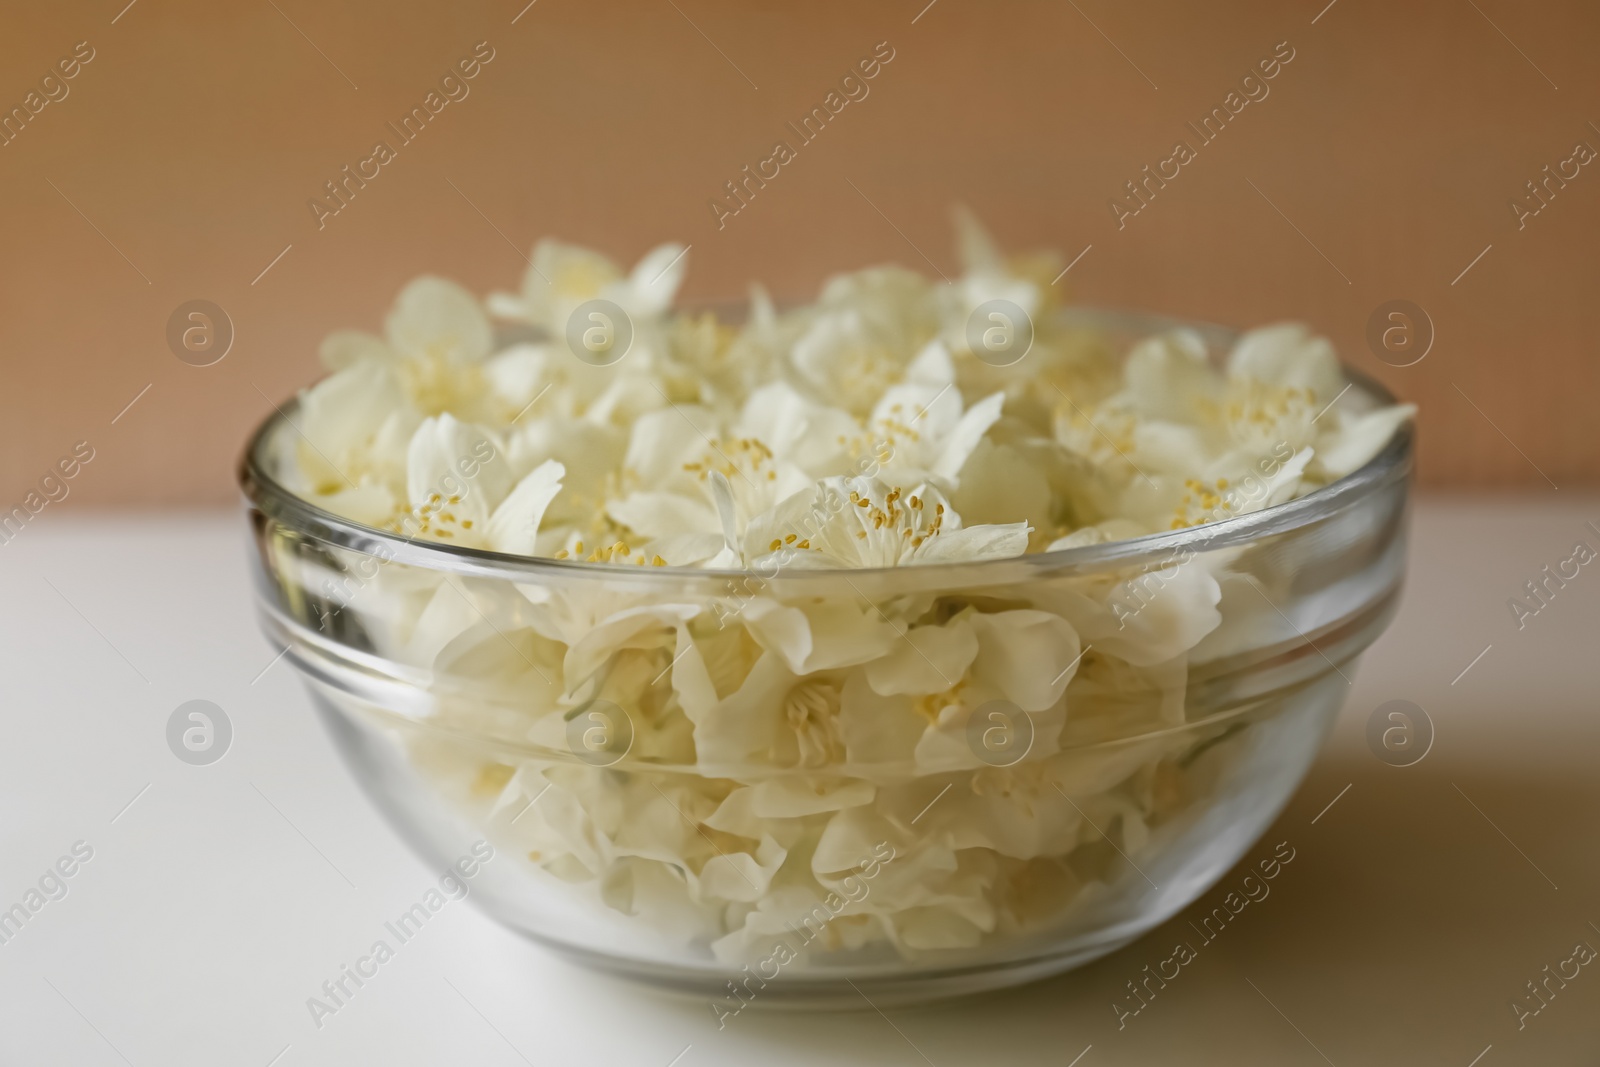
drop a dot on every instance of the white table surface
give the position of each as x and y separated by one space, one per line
1416 909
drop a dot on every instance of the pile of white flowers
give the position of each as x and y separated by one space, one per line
702 444
875 428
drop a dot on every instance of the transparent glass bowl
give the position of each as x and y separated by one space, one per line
790 836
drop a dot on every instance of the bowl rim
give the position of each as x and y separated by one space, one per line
1393 463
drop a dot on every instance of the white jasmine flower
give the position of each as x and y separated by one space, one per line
1288 356
862 522
561 277
864 335
1355 440
925 432
986 276
347 425
455 475
437 320
813 437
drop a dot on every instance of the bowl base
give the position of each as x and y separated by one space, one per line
837 992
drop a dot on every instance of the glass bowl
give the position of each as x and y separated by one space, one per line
843 818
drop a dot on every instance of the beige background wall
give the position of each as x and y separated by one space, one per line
193 140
